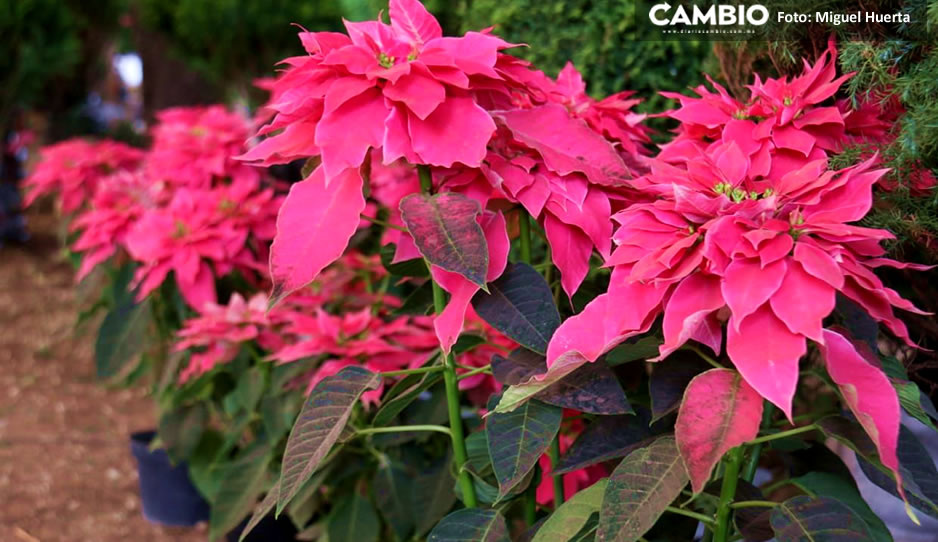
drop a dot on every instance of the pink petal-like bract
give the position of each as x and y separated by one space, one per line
457 131
719 411
313 228
766 353
869 395
691 302
747 285
410 18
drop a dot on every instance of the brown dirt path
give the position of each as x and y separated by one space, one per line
66 473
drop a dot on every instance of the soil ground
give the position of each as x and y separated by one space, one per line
66 473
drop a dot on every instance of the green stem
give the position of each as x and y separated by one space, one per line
380 222
721 531
554 453
460 456
753 504
524 225
783 434
707 520
475 371
403 429
417 371
530 503
749 472
703 356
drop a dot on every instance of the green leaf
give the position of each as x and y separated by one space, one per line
515 396
605 438
911 397
354 520
403 393
121 337
392 488
242 481
639 490
419 302
572 516
446 233
261 510
644 348
408 268
517 439
825 484
520 305
592 388
250 389
520 366
321 421
470 525
433 495
181 429
919 475
807 519
477 454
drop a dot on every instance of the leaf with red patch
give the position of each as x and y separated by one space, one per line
447 234
720 411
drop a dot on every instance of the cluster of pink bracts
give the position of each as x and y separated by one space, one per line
737 224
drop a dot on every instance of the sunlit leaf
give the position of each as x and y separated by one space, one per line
639 490
471 525
319 425
520 305
807 519
720 411
572 516
517 439
446 233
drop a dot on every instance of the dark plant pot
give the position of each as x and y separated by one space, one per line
270 529
167 494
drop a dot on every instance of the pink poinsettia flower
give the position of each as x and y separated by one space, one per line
195 146
217 334
193 238
406 88
120 200
73 168
764 265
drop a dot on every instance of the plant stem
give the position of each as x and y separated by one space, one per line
554 453
475 371
460 455
524 225
783 434
380 222
403 429
699 517
706 357
753 504
530 503
417 371
749 472
734 459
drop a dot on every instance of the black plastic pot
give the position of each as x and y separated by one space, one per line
269 529
167 494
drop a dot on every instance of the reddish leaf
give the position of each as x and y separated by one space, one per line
566 143
446 232
804 518
592 388
314 226
868 393
520 366
520 305
720 411
607 437
517 439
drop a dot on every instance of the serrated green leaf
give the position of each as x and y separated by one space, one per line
321 421
242 481
354 520
517 439
121 337
572 516
807 519
641 487
470 525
